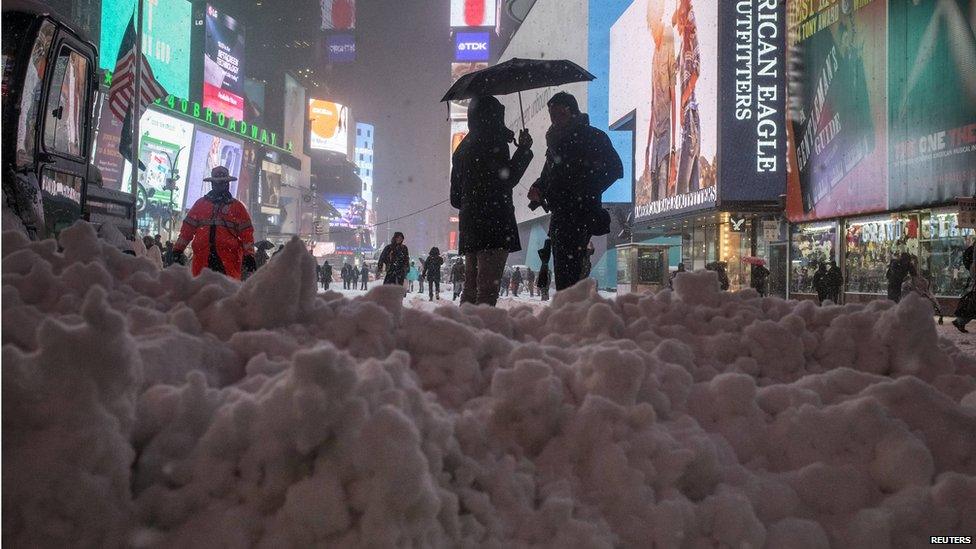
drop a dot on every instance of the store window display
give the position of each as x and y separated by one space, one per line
872 243
810 245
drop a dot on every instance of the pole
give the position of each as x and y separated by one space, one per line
521 110
136 100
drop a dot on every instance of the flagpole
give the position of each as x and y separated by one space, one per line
134 104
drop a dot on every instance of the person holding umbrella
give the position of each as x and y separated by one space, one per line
482 179
581 164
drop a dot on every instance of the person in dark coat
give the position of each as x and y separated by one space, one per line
723 276
542 280
482 179
325 275
530 281
354 271
898 270
580 165
420 277
966 310
681 269
457 277
516 281
760 278
506 284
833 282
364 277
432 272
820 282
396 259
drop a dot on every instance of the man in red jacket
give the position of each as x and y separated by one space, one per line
220 229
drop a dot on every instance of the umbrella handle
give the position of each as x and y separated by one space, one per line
521 110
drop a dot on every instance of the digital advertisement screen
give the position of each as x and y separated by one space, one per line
166 39
341 48
108 159
329 126
338 14
165 146
664 75
931 101
254 94
349 231
473 13
210 151
223 65
472 46
837 110
752 136
459 109
459 130
296 111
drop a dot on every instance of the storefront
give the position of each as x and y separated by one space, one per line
811 244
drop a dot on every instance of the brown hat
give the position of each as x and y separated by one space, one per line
220 174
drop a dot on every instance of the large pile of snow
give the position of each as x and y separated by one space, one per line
145 407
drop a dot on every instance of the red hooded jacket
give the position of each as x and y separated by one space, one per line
234 234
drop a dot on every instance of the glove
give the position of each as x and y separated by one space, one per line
250 265
179 258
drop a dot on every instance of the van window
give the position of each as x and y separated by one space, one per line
64 129
30 101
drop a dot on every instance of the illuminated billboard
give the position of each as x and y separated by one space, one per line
342 48
166 39
338 14
329 124
349 231
472 46
164 147
473 13
223 64
664 79
210 151
882 107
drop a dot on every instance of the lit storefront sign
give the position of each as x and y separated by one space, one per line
201 114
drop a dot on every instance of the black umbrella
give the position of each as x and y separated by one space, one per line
517 75
264 245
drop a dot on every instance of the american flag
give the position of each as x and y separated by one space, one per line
123 87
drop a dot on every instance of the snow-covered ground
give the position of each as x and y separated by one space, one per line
148 408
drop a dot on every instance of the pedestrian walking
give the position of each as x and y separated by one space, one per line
580 165
482 179
506 284
396 259
412 275
898 269
966 311
760 278
820 282
457 277
530 281
681 269
833 282
432 272
364 277
543 280
918 284
723 276
344 275
420 277
220 230
516 281
354 271
325 275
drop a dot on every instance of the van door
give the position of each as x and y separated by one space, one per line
63 162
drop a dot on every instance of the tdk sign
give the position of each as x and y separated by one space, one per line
471 46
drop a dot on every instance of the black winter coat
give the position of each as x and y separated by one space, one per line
396 258
482 180
579 167
432 268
